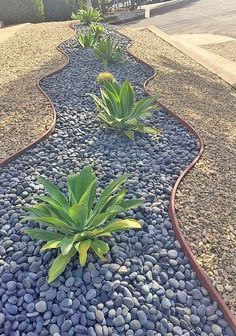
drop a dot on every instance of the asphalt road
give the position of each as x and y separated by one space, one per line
194 17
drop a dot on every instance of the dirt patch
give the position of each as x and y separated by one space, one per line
26 56
225 49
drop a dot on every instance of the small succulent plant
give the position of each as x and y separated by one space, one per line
117 108
87 15
108 51
105 76
78 222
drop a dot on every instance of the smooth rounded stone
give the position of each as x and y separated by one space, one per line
80 329
90 332
6 277
194 319
66 325
165 303
98 330
70 282
28 298
66 303
11 308
118 321
92 293
123 270
197 294
142 317
202 310
173 254
179 275
181 297
211 310
163 277
35 267
188 286
17 255
112 313
135 325
11 285
99 315
61 295
53 329
50 294
173 283
91 315
107 287
216 330
128 302
145 289
41 306
2 319
177 331
2 251
174 320
169 293
150 258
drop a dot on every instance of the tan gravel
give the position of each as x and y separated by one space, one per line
206 199
26 56
225 49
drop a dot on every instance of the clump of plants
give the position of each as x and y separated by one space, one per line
118 109
85 40
97 29
108 51
90 39
78 222
87 15
105 77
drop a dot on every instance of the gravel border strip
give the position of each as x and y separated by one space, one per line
52 127
36 120
204 278
224 49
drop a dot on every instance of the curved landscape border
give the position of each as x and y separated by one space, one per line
203 277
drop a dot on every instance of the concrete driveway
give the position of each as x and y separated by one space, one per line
194 17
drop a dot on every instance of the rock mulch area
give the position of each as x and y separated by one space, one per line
226 49
146 286
206 198
26 56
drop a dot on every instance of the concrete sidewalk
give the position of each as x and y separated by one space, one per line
194 17
221 66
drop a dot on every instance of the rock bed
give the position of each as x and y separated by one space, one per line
206 198
147 286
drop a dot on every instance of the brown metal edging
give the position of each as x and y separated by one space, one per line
202 275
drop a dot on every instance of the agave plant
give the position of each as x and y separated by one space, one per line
87 15
86 40
97 30
78 222
108 51
118 109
